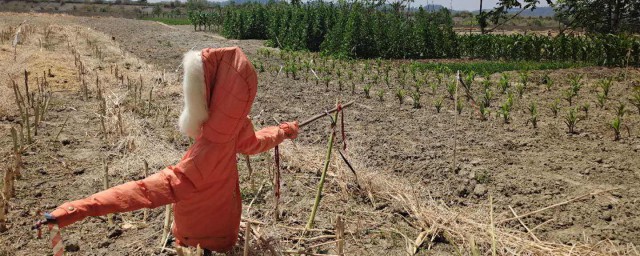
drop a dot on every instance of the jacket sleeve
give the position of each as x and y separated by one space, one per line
165 187
252 142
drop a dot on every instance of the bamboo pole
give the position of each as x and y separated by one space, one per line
324 172
247 238
167 227
3 211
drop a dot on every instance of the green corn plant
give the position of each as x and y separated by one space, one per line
326 82
615 125
381 94
576 83
505 112
547 81
487 84
585 108
533 112
524 78
367 89
520 90
418 85
569 94
400 94
487 98
621 110
601 99
362 77
504 84
605 85
339 73
484 112
416 99
571 119
636 99
386 81
451 89
459 106
468 80
434 88
555 108
438 104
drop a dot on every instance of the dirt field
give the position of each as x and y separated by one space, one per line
403 155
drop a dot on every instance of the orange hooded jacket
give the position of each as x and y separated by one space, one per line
220 86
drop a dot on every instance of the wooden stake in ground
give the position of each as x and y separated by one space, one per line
17 153
106 186
340 235
314 210
3 213
145 212
8 184
167 225
455 122
247 233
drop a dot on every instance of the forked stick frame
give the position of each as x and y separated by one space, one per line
318 116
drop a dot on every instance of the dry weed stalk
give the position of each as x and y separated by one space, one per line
468 231
183 251
4 209
340 235
167 226
103 114
8 185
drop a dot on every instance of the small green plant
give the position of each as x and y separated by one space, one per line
569 94
381 94
547 81
636 99
605 85
451 89
400 94
555 108
504 83
615 125
326 83
367 90
505 109
621 110
459 106
601 99
571 119
487 98
520 90
468 80
524 78
438 104
533 112
576 83
585 108
434 88
484 112
416 100
487 84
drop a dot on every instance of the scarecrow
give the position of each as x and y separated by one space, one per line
219 88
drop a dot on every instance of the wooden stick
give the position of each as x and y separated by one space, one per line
524 225
556 205
106 186
145 212
165 230
318 116
493 227
340 235
17 153
455 123
246 239
248 160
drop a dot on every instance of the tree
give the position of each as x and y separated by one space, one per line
500 14
606 16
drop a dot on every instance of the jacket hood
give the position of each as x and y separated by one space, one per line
219 88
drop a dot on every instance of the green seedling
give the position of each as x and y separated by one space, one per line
381 94
636 99
621 110
585 108
504 83
615 125
400 94
605 85
438 104
520 90
459 106
416 99
555 108
367 90
601 99
571 119
484 112
533 112
451 89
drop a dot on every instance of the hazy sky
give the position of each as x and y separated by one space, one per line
457 4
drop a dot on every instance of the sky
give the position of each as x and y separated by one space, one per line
469 5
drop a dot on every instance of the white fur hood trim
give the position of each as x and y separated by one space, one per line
195 111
